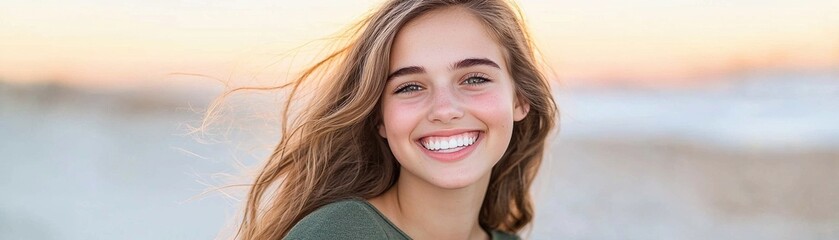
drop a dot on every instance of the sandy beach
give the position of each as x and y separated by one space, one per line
674 189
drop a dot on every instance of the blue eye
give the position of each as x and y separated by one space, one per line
475 79
407 88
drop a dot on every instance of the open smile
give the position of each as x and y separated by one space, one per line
450 148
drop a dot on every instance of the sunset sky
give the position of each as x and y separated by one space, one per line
135 43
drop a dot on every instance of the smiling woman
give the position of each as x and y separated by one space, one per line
435 117
431 125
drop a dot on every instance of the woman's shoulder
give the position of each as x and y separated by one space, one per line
499 235
345 219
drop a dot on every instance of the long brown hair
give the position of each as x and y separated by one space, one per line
332 151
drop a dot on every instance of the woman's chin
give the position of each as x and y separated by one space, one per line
455 181
448 175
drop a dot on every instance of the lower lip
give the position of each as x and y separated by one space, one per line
452 156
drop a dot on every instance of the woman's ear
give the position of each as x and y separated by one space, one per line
521 110
382 131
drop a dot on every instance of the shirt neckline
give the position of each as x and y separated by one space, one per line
376 210
369 205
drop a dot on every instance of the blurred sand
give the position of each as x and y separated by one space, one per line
673 189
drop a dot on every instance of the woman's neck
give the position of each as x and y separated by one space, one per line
425 211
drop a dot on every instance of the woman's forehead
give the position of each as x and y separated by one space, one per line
440 38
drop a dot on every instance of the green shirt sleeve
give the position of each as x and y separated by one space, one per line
347 219
498 235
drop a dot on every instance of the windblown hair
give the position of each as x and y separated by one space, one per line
332 150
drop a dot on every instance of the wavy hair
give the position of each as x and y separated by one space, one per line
332 150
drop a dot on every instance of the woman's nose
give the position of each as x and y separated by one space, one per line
445 106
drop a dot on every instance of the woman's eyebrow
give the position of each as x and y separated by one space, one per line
469 62
405 71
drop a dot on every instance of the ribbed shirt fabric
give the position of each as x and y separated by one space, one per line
355 219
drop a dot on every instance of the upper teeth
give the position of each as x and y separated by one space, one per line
460 140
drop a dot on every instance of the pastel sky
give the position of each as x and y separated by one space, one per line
133 42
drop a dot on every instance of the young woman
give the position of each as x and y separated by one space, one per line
430 124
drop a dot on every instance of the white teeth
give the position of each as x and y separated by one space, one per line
450 142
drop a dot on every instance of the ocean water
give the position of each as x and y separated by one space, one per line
82 165
77 164
764 111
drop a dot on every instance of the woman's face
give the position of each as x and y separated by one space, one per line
449 103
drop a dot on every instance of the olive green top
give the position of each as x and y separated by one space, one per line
354 219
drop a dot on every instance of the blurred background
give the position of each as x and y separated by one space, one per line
679 119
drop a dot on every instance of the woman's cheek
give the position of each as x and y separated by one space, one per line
493 108
401 115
